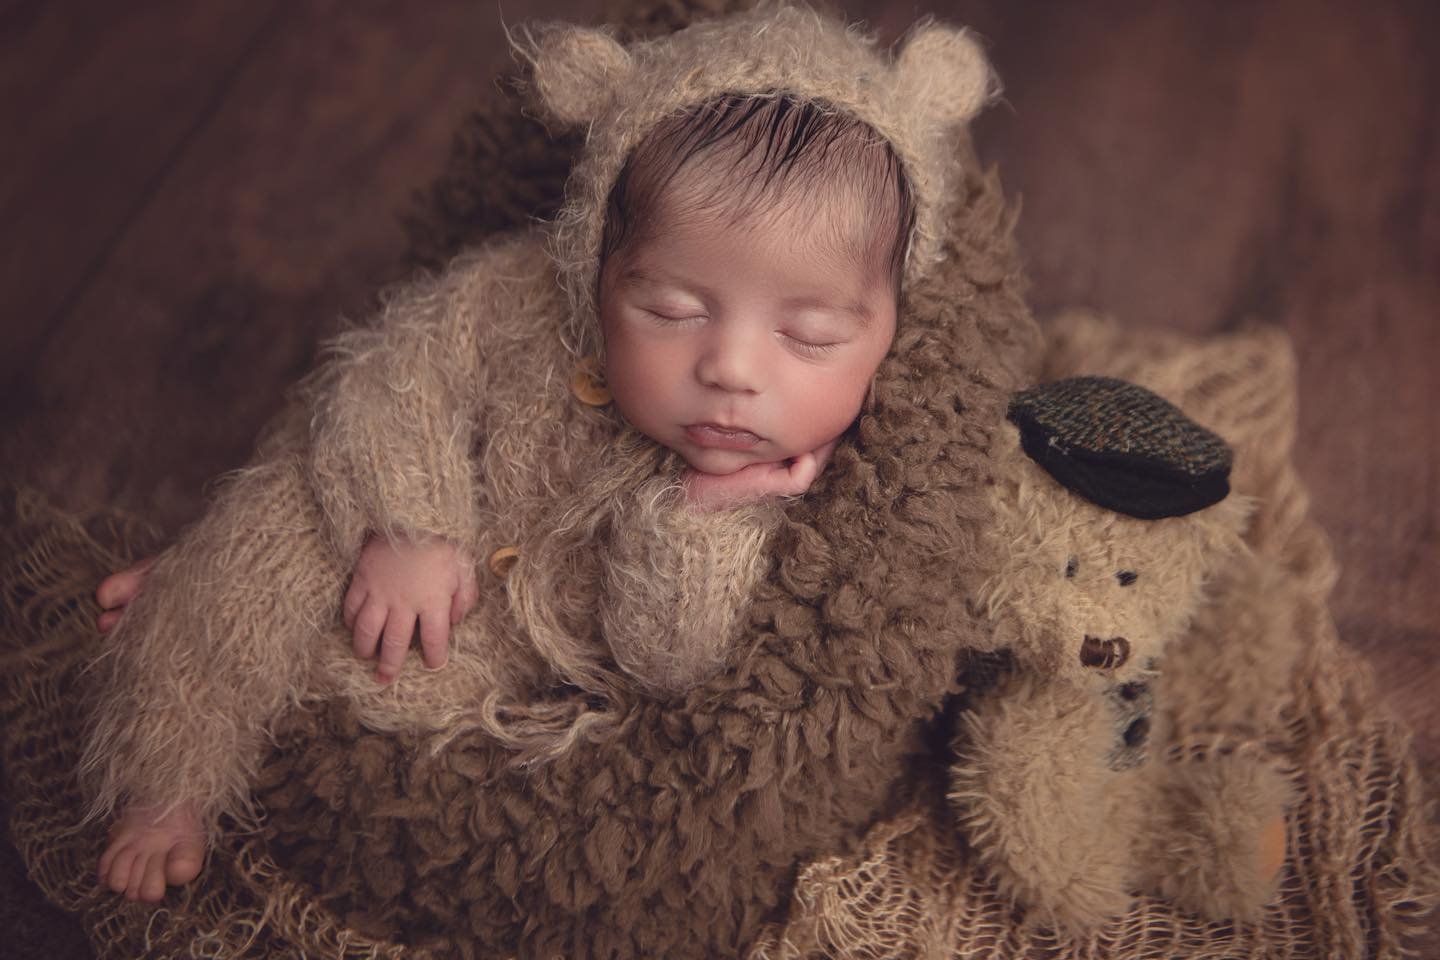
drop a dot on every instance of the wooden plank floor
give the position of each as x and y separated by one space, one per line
196 192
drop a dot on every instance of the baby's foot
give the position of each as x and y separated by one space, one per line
147 852
117 590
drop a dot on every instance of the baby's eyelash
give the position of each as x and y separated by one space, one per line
815 349
666 318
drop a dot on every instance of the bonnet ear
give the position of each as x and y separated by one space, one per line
575 71
944 74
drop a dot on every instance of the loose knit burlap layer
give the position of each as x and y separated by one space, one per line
1360 873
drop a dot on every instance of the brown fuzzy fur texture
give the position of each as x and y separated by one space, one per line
533 796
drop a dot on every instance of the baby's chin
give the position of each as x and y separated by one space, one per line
722 463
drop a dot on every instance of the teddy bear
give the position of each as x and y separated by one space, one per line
1115 516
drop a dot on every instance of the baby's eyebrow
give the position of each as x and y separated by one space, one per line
854 309
639 275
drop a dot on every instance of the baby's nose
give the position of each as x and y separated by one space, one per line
1104 654
729 363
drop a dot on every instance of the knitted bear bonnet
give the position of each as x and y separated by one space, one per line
584 78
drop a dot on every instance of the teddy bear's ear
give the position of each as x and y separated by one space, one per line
943 73
575 71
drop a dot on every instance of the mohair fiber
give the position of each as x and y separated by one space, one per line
561 786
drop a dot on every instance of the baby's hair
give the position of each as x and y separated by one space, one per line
762 155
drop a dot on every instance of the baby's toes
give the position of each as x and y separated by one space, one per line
183 862
102 869
152 884
137 875
115 873
116 590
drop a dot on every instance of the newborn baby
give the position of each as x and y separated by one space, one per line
747 293
558 460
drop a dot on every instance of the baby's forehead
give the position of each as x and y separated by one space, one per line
834 233
766 262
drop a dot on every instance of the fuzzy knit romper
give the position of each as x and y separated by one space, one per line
650 820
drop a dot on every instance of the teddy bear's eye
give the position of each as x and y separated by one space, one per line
1127 577
1072 566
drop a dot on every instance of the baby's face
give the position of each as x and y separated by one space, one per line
741 344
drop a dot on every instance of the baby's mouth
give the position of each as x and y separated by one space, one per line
717 437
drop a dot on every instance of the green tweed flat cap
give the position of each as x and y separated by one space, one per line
1122 447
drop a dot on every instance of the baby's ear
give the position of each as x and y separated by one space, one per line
575 71
944 74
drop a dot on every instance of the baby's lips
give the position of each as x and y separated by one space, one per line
720 438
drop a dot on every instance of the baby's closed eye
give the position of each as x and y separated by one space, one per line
811 347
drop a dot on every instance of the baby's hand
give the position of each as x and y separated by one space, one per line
708 492
117 590
393 587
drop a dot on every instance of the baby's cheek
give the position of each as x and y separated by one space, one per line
818 414
637 388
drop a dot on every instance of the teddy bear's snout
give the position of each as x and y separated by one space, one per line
1105 654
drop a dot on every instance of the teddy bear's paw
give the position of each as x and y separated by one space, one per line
1038 805
1218 839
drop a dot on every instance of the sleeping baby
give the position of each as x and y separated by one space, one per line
569 464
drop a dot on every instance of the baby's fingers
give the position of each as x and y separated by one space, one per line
802 471
120 588
434 638
464 600
354 600
368 624
806 467
399 629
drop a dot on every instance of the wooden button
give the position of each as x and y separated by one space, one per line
1105 654
587 382
502 560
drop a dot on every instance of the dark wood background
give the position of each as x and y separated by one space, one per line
193 193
